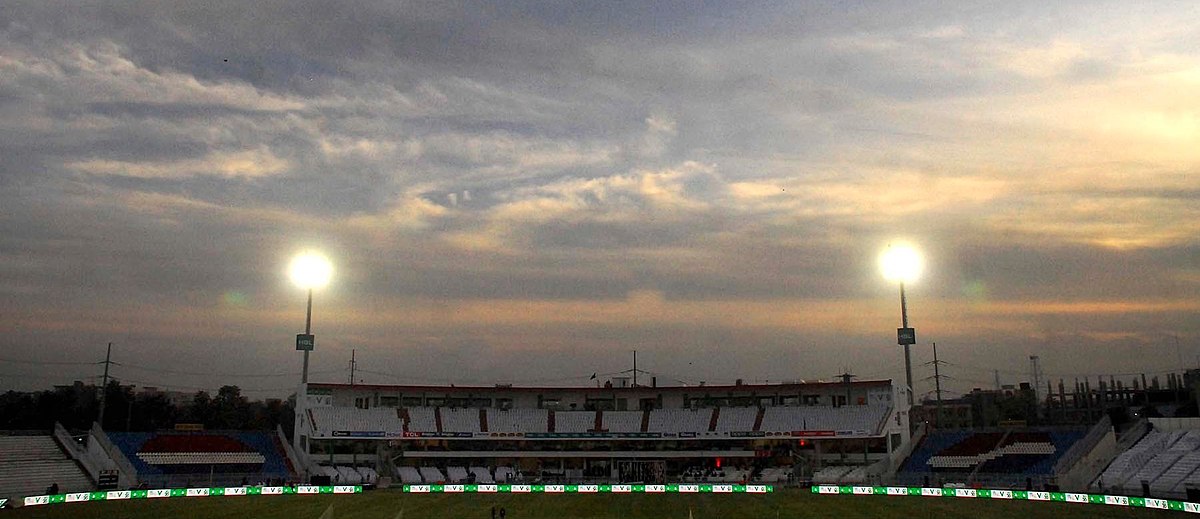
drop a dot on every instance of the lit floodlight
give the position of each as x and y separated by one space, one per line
900 263
310 270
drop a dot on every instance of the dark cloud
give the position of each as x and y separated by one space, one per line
511 190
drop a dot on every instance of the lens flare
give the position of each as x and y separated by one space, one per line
900 263
310 270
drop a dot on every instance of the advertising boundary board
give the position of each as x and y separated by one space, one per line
1030 495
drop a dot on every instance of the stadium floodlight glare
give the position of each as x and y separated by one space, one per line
902 263
309 270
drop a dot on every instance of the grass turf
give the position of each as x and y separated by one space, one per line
392 504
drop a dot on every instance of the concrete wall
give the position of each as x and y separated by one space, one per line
1089 467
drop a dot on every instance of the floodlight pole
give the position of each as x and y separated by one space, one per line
307 331
907 348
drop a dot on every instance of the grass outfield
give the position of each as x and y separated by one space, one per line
390 504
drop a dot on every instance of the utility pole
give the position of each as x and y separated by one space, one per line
353 364
937 383
634 368
997 373
104 386
1033 366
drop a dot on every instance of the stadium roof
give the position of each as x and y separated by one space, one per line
506 387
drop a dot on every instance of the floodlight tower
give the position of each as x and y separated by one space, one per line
902 263
309 270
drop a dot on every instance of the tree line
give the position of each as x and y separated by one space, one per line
78 406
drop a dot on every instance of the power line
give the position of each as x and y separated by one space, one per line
49 363
216 373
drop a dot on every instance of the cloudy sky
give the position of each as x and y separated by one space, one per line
525 192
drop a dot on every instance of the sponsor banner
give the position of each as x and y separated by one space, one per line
1156 503
689 488
272 491
554 489
158 492
1192 507
234 491
486 488
620 488
931 492
1002 494
37 500
964 492
748 434
77 497
827 489
308 489
1035 495
813 433
756 489
359 434
897 491
118 494
722 489
591 435
435 434
520 488
417 489
1071 497
587 488
196 492
1116 500
862 491
454 488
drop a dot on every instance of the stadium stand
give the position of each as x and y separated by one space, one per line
997 457
505 474
1131 461
862 419
409 475
679 420
482 476
431 475
594 435
222 457
574 421
460 420
368 474
347 476
736 419
456 474
774 475
517 420
421 419
329 419
623 421
30 464
1167 459
831 474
